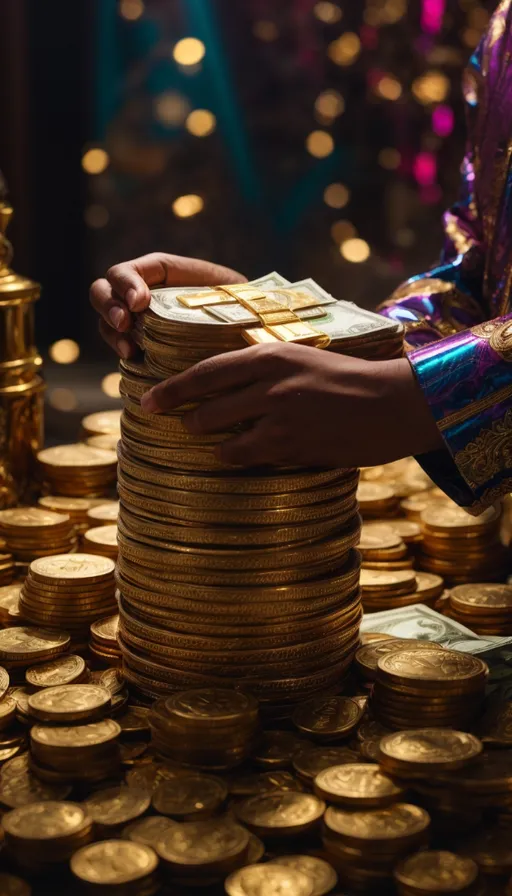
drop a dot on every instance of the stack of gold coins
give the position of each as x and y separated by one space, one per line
101 540
383 549
281 815
440 872
444 686
101 423
81 753
119 867
460 547
7 567
211 728
328 719
415 504
383 589
9 609
103 642
75 508
69 591
23 646
70 703
423 753
41 835
364 846
32 532
203 852
70 669
377 499
484 608
368 656
78 470
104 514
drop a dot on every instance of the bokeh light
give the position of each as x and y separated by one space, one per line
336 196
432 87
355 250
329 13
201 123
388 88
131 10
63 399
110 385
64 351
343 230
390 158
95 160
171 108
266 30
187 206
319 144
330 104
346 49
189 51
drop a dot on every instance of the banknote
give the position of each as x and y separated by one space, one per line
305 297
424 624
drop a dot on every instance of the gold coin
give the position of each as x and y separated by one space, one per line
367 658
423 665
102 422
491 849
327 718
101 535
75 737
190 798
357 785
451 518
436 871
149 777
106 629
104 513
45 821
430 749
72 506
280 813
379 580
428 585
75 456
148 830
107 441
482 597
13 886
374 493
308 763
378 826
117 805
270 878
202 844
113 863
26 642
84 568
23 788
64 670
496 726
322 875
30 518
377 536
211 705
266 782
69 703
112 680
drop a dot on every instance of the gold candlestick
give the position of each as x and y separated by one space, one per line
21 389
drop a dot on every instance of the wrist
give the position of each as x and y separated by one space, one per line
420 431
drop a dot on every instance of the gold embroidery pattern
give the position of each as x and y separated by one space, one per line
499 336
475 408
490 497
489 454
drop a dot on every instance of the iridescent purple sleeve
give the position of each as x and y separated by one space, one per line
458 315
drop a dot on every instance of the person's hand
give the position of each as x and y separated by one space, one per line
125 290
304 406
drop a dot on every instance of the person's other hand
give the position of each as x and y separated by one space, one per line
304 407
125 290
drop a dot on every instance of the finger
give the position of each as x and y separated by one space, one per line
110 307
224 412
250 449
122 344
131 279
216 374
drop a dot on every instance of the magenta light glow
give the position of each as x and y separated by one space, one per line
425 169
432 14
443 121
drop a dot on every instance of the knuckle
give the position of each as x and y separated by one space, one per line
112 272
206 367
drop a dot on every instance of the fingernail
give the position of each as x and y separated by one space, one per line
116 316
148 403
124 348
131 299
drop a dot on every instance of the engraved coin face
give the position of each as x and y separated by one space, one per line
106 629
433 665
61 504
268 880
393 823
383 579
79 567
376 537
310 762
106 535
368 657
369 492
76 736
321 874
431 745
353 783
44 821
23 640
30 517
113 862
281 810
117 805
327 717
485 596
450 516
68 700
148 830
108 422
108 511
23 788
437 872
113 680
202 842
63 670
189 796
211 703
76 455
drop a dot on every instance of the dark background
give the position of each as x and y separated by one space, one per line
101 74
